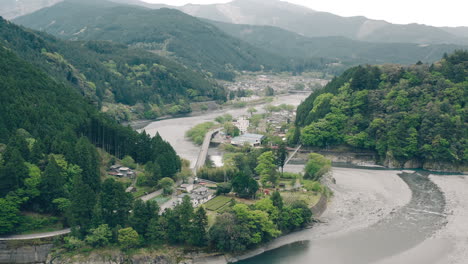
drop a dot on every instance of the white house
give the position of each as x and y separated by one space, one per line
242 123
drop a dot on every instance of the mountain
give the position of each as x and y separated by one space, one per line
298 19
459 31
14 8
348 51
49 156
307 22
114 76
411 116
193 42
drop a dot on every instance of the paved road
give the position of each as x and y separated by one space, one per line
36 236
204 149
151 195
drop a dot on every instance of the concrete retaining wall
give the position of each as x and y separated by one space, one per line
27 254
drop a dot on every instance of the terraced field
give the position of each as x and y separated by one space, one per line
218 203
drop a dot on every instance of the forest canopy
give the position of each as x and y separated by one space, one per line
415 113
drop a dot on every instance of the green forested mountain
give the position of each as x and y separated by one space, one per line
193 42
348 51
48 158
416 113
112 74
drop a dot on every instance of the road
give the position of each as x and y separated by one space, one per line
204 149
36 236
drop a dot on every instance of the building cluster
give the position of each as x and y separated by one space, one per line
277 120
198 195
281 84
121 171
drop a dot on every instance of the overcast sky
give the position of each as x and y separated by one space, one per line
429 12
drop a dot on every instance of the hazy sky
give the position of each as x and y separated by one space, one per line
429 12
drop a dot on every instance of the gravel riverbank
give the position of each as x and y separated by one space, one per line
361 198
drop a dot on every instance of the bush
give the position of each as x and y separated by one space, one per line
316 167
217 174
73 243
197 133
223 188
99 237
290 175
128 238
128 161
313 186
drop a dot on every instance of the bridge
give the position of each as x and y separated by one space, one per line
292 155
204 149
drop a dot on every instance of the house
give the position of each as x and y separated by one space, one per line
251 139
242 124
120 171
187 188
198 196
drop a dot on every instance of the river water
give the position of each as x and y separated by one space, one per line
401 230
409 225
173 130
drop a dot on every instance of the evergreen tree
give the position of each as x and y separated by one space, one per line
52 185
143 214
115 203
13 173
83 200
281 156
277 200
200 222
86 157
37 152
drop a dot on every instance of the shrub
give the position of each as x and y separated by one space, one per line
316 167
128 238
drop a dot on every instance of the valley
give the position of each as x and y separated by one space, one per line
249 131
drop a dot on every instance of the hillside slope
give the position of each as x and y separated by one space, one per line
50 166
349 51
109 73
411 116
193 42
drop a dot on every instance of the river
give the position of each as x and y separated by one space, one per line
376 216
173 130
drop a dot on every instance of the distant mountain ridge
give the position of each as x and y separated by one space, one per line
193 42
305 21
346 50
299 19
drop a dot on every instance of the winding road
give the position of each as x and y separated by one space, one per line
36 236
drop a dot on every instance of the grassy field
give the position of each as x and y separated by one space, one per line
311 198
142 191
217 203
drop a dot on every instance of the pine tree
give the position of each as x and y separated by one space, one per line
86 157
200 222
83 200
52 185
115 202
13 173
143 213
37 152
